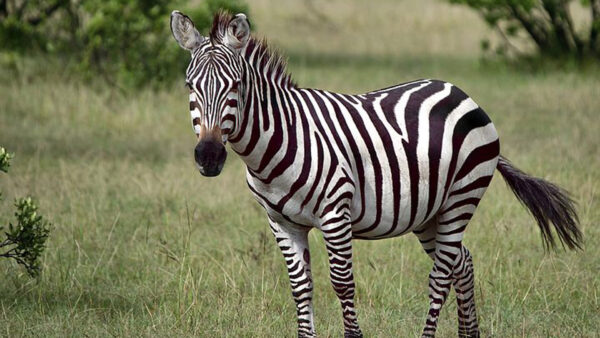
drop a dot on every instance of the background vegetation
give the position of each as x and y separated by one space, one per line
142 245
546 23
108 39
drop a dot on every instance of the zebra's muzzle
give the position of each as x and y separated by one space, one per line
210 157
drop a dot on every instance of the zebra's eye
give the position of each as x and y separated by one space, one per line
188 85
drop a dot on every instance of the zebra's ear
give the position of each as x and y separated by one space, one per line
184 31
238 32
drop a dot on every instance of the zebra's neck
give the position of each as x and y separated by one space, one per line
267 112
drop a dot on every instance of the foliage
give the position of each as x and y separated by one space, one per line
124 41
26 239
548 23
24 24
127 38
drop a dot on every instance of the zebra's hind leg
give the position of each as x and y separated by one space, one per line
452 265
464 285
440 277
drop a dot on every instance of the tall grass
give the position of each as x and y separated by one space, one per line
145 246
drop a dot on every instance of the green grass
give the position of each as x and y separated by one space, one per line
143 245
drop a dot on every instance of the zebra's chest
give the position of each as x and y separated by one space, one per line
283 205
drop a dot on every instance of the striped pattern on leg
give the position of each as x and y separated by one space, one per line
448 247
338 240
294 246
440 280
426 236
464 285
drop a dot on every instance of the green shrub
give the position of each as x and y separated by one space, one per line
25 240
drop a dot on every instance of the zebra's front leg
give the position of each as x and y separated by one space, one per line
338 239
293 243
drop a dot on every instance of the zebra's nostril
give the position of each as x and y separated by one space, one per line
198 153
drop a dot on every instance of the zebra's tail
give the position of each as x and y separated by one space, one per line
547 203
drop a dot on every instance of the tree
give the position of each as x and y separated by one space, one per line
548 23
122 41
24 24
25 240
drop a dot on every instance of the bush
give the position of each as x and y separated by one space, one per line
126 42
548 23
26 239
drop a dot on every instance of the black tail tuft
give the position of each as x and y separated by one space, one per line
547 203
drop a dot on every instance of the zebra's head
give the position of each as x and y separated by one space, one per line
213 77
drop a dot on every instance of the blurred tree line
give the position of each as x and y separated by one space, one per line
127 42
548 23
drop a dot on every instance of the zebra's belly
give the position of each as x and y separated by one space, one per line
390 216
402 189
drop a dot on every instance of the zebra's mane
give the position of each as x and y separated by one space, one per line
266 58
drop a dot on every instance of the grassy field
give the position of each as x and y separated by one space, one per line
143 245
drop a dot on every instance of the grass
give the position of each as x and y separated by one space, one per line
142 245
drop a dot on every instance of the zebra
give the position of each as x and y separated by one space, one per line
412 158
